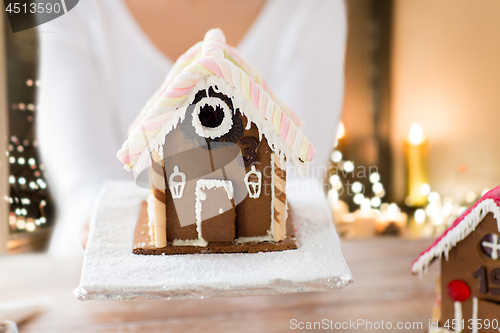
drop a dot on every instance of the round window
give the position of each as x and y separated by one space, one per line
491 246
212 118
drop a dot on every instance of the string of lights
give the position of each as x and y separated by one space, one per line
29 199
365 191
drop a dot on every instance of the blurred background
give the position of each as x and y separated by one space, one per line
26 212
417 145
420 104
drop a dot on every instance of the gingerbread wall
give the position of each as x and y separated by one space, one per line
466 260
253 216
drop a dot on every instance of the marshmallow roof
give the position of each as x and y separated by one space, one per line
460 229
213 57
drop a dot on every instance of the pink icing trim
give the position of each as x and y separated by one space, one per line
226 71
150 126
254 93
233 53
172 93
211 65
494 194
285 124
128 158
292 132
312 152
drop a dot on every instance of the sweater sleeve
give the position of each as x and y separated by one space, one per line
74 125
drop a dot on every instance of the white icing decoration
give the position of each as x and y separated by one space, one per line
458 316
253 187
189 242
270 233
177 187
221 210
216 132
264 126
457 234
258 239
494 246
474 315
200 196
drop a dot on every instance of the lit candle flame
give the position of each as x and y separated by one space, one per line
416 134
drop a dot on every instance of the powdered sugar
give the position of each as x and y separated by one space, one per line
111 271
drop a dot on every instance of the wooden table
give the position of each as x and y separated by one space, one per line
383 289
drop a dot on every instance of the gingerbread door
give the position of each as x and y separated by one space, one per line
215 210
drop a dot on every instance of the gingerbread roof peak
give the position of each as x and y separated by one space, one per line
460 229
214 59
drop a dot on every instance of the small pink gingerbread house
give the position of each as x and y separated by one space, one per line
470 270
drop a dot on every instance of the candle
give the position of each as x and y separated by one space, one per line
418 226
416 148
391 221
365 220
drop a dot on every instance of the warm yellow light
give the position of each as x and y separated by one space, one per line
392 211
366 205
416 135
420 216
377 187
336 156
348 166
374 178
425 189
30 226
358 198
357 187
470 197
340 131
376 202
438 220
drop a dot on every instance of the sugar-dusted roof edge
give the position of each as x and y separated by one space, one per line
459 230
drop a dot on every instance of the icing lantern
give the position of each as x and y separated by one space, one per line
253 187
458 290
177 187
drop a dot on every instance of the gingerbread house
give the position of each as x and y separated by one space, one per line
213 143
469 287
